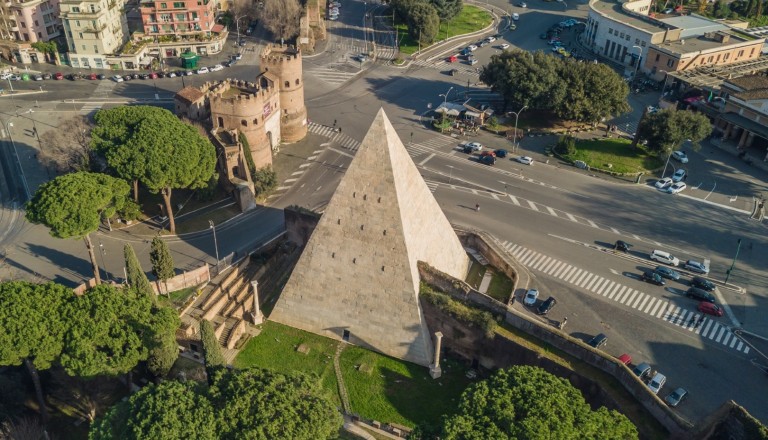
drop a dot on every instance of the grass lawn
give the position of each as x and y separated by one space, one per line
618 152
476 272
500 288
275 348
178 297
470 19
390 390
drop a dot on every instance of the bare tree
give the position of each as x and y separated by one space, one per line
67 148
281 17
240 9
24 429
86 398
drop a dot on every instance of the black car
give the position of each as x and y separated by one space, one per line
47 76
666 272
101 76
501 153
703 283
700 295
653 278
598 341
161 74
622 246
468 149
546 306
144 76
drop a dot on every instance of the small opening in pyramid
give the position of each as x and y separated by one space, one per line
354 194
362 227
354 261
365 196
385 232
333 255
379 199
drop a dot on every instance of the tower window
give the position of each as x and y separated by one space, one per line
244 123
287 84
297 82
255 121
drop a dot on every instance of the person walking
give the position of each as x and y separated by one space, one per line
477 207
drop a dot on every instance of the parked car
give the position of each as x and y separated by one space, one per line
622 246
653 278
695 266
476 146
472 47
501 153
657 382
237 56
522 5
117 78
703 283
525 160
144 76
709 308
488 160
467 149
216 68
515 16
664 257
203 70
625 359
675 397
677 188
531 297
47 76
102 76
153 75
680 156
598 341
700 295
667 273
490 39
504 46
679 175
547 306
38 77
663 184
6 76
642 370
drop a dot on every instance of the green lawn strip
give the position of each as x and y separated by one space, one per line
476 272
646 424
470 19
618 152
276 348
389 390
500 287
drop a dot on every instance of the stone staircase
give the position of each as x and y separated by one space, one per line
340 379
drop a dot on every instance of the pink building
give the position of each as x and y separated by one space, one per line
177 17
31 21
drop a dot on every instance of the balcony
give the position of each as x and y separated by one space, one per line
95 29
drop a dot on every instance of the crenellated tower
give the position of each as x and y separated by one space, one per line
284 62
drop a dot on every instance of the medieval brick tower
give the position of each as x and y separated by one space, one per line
285 63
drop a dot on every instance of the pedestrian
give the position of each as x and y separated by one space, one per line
477 207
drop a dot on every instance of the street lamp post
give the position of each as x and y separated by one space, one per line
730 270
102 252
215 243
7 126
514 134
637 62
445 96
664 171
34 127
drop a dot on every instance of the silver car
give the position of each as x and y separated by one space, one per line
530 297
675 397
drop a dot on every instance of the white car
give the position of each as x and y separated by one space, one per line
663 184
6 76
504 46
679 175
515 16
472 47
117 78
335 4
202 70
657 382
526 160
677 187
490 39
522 5
664 257
475 146
680 156
216 68
530 297
334 11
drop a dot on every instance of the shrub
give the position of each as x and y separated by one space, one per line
462 312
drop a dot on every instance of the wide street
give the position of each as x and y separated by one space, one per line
558 221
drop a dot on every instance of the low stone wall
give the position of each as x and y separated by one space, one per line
191 278
458 289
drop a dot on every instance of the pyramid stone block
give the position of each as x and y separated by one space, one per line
357 278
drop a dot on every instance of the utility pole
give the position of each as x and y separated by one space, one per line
730 270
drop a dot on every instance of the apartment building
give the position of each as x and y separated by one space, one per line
29 21
177 17
94 29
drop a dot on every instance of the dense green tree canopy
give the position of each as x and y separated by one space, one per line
423 22
667 129
135 276
584 92
73 205
163 348
447 9
248 404
169 411
151 145
525 402
162 261
211 348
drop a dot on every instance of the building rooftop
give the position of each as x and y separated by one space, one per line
190 94
711 77
699 43
613 9
693 25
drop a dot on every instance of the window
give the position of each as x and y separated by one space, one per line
627 37
622 35
637 41
610 31
95 48
709 60
26 37
751 52
40 35
642 44
670 63
255 121
23 25
726 56
657 57
297 82
179 5
75 9
244 123
741 52
164 5
81 35
287 84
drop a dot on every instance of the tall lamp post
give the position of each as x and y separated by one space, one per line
215 243
637 63
445 96
514 134
730 270
102 252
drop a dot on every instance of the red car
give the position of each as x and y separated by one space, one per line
93 77
625 359
452 59
153 75
58 75
710 309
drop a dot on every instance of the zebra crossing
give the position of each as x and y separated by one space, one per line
329 74
659 308
464 69
90 108
331 133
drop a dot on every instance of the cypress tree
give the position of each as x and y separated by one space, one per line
162 261
136 277
211 348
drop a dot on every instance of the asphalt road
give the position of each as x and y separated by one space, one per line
556 219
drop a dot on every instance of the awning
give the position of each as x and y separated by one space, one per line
746 124
471 114
449 112
217 28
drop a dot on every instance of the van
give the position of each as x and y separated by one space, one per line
664 257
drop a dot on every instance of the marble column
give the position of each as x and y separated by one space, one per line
258 317
434 370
